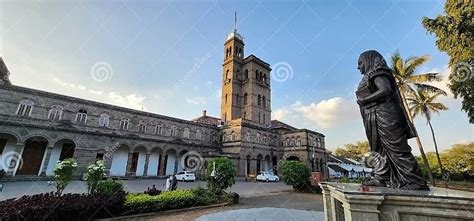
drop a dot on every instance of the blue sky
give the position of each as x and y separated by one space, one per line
166 56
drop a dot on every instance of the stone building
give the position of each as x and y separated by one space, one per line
38 128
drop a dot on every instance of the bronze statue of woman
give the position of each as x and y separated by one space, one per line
387 126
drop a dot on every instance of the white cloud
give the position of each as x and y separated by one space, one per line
325 114
196 100
115 98
280 114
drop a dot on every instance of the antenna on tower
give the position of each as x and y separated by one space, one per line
235 21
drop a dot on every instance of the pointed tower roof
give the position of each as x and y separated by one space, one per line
234 32
4 73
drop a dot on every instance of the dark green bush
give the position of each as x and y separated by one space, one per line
296 174
144 203
224 174
109 187
50 206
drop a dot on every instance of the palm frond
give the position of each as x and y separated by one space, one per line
424 78
437 106
413 63
431 89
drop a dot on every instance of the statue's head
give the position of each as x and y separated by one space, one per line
369 61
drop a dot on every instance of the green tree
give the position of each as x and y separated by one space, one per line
296 174
455 33
354 151
223 176
408 82
93 174
63 172
423 103
459 161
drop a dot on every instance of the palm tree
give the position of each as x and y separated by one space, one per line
408 82
423 103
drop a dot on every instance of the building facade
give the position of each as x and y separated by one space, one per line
39 128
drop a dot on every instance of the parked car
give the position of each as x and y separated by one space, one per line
267 176
185 176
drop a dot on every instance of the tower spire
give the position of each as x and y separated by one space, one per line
235 21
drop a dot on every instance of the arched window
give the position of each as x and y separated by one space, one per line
55 112
246 74
104 120
233 136
298 141
159 129
264 102
247 136
124 122
245 99
81 116
264 116
173 131
186 133
25 107
142 126
259 100
198 135
288 142
259 118
225 99
259 140
264 78
239 77
292 141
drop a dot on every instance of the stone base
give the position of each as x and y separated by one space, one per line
347 202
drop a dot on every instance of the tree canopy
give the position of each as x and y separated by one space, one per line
455 35
458 161
354 151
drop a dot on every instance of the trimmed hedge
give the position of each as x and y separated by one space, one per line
144 203
48 206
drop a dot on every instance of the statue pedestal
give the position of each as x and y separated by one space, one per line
347 202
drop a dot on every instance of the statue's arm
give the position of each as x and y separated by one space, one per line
382 84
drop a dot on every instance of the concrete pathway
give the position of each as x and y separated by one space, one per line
264 214
245 189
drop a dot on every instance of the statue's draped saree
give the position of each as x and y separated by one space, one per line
387 127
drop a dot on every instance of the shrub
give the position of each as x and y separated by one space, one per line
94 173
296 174
63 172
144 203
109 187
204 196
224 174
49 206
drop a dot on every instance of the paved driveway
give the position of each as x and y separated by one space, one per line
245 189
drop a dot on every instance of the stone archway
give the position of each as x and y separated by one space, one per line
9 152
33 155
181 162
154 162
267 164
259 163
119 160
62 149
294 158
137 163
170 161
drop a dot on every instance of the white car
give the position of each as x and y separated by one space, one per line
267 176
185 176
